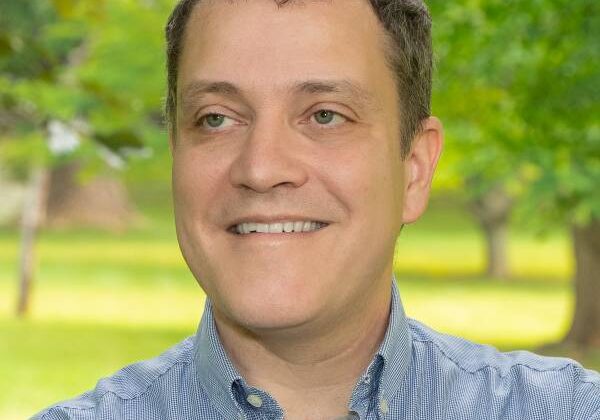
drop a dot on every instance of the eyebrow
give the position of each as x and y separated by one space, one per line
199 88
202 87
348 89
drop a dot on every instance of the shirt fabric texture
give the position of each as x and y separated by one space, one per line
417 374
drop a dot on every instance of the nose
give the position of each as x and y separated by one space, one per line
268 159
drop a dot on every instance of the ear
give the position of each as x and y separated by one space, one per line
419 168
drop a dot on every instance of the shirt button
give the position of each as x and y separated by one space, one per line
254 400
384 407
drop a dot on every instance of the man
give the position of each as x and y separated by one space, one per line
302 142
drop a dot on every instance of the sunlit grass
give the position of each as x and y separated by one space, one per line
547 258
157 306
445 244
504 315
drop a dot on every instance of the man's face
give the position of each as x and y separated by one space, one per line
287 119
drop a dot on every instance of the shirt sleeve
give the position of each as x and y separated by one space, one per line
586 397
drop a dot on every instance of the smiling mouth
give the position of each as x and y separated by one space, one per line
278 227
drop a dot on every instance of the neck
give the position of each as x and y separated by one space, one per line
315 366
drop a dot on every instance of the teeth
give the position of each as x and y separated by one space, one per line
276 228
280 227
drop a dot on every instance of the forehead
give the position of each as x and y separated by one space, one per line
258 44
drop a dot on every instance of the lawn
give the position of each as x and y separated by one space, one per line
103 300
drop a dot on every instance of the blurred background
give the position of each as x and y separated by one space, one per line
91 277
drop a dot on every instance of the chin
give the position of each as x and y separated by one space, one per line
267 302
271 317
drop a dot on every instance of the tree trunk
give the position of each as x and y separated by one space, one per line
585 329
100 202
492 211
496 244
34 205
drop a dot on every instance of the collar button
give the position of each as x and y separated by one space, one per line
384 407
254 400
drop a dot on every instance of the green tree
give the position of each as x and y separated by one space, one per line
477 55
519 88
80 85
33 93
561 104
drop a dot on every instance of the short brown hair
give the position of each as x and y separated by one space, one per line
406 22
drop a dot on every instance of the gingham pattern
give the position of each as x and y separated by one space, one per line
418 373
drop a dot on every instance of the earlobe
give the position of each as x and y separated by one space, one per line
420 167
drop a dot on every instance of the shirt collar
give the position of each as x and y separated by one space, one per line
214 369
392 360
384 375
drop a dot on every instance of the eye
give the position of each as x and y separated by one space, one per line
328 118
215 121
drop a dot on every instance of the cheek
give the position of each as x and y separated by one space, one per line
367 180
364 180
197 178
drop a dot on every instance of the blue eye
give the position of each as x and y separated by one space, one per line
324 116
327 117
215 121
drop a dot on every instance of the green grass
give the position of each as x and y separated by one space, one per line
445 243
103 300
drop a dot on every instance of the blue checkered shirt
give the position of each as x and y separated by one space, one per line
417 373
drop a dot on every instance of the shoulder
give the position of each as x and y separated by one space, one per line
145 382
517 380
587 397
472 357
